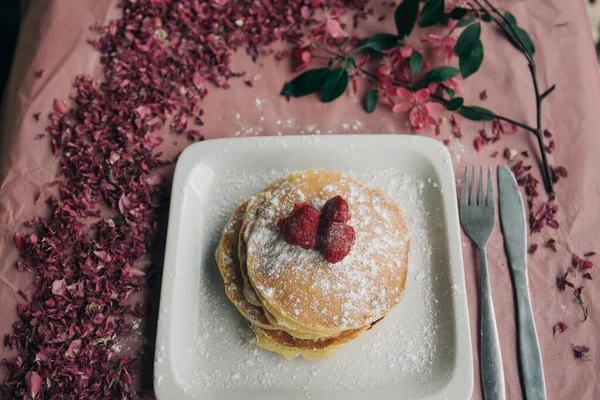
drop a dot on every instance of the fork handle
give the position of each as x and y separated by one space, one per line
492 374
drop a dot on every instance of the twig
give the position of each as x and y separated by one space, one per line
509 30
548 91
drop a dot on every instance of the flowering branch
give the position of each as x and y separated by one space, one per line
516 36
404 78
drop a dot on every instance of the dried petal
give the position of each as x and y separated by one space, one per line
478 143
581 352
532 249
33 381
59 287
560 327
59 106
74 348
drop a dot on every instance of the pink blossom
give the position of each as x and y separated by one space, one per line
441 45
421 113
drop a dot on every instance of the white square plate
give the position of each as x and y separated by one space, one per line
421 350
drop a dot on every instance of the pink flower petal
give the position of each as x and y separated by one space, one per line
433 87
421 96
435 109
406 51
402 107
405 94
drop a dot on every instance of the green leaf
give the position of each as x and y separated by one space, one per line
477 113
432 13
455 103
350 62
520 34
451 92
308 82
486 17
406 16
380 42
415 63
371 100
439 74
467 39
336 82
458 13
470 62
510 18
466 20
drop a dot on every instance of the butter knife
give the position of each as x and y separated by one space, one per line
512 219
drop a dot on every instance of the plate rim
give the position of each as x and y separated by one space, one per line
433 150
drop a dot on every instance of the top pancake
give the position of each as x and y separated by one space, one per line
304 291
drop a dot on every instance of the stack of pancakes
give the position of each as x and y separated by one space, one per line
296 302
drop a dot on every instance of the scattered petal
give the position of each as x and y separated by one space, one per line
581 352
560 327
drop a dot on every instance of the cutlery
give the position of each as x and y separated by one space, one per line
477 217
512 219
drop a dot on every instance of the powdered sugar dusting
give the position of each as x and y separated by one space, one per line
410 346
350 291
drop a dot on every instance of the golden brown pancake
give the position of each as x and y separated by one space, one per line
229 268
296 302
288 346
306 293
228 262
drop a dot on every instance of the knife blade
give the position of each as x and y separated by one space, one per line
512 219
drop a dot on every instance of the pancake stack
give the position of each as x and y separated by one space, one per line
297 303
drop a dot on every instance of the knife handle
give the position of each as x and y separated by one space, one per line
492 374
530 359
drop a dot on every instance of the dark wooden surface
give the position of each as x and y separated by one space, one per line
9 29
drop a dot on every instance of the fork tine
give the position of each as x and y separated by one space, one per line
490 190
473 201
481 200
464 195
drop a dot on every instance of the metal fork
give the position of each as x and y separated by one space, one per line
477 218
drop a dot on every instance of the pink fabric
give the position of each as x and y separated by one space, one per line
54 37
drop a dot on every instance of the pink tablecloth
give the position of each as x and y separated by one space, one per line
53 38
